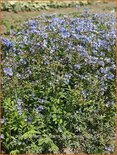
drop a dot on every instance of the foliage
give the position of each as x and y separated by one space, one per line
36 6
59 85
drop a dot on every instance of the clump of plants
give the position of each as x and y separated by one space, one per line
59 85
36 6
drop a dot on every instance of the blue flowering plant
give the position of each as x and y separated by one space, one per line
59 85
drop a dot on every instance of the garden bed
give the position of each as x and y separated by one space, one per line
59 85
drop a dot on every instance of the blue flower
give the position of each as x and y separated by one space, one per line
110 76
19 101
7 43
110 103
40 107
19 106
8 71
29 119
32 23
78 66
43 100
